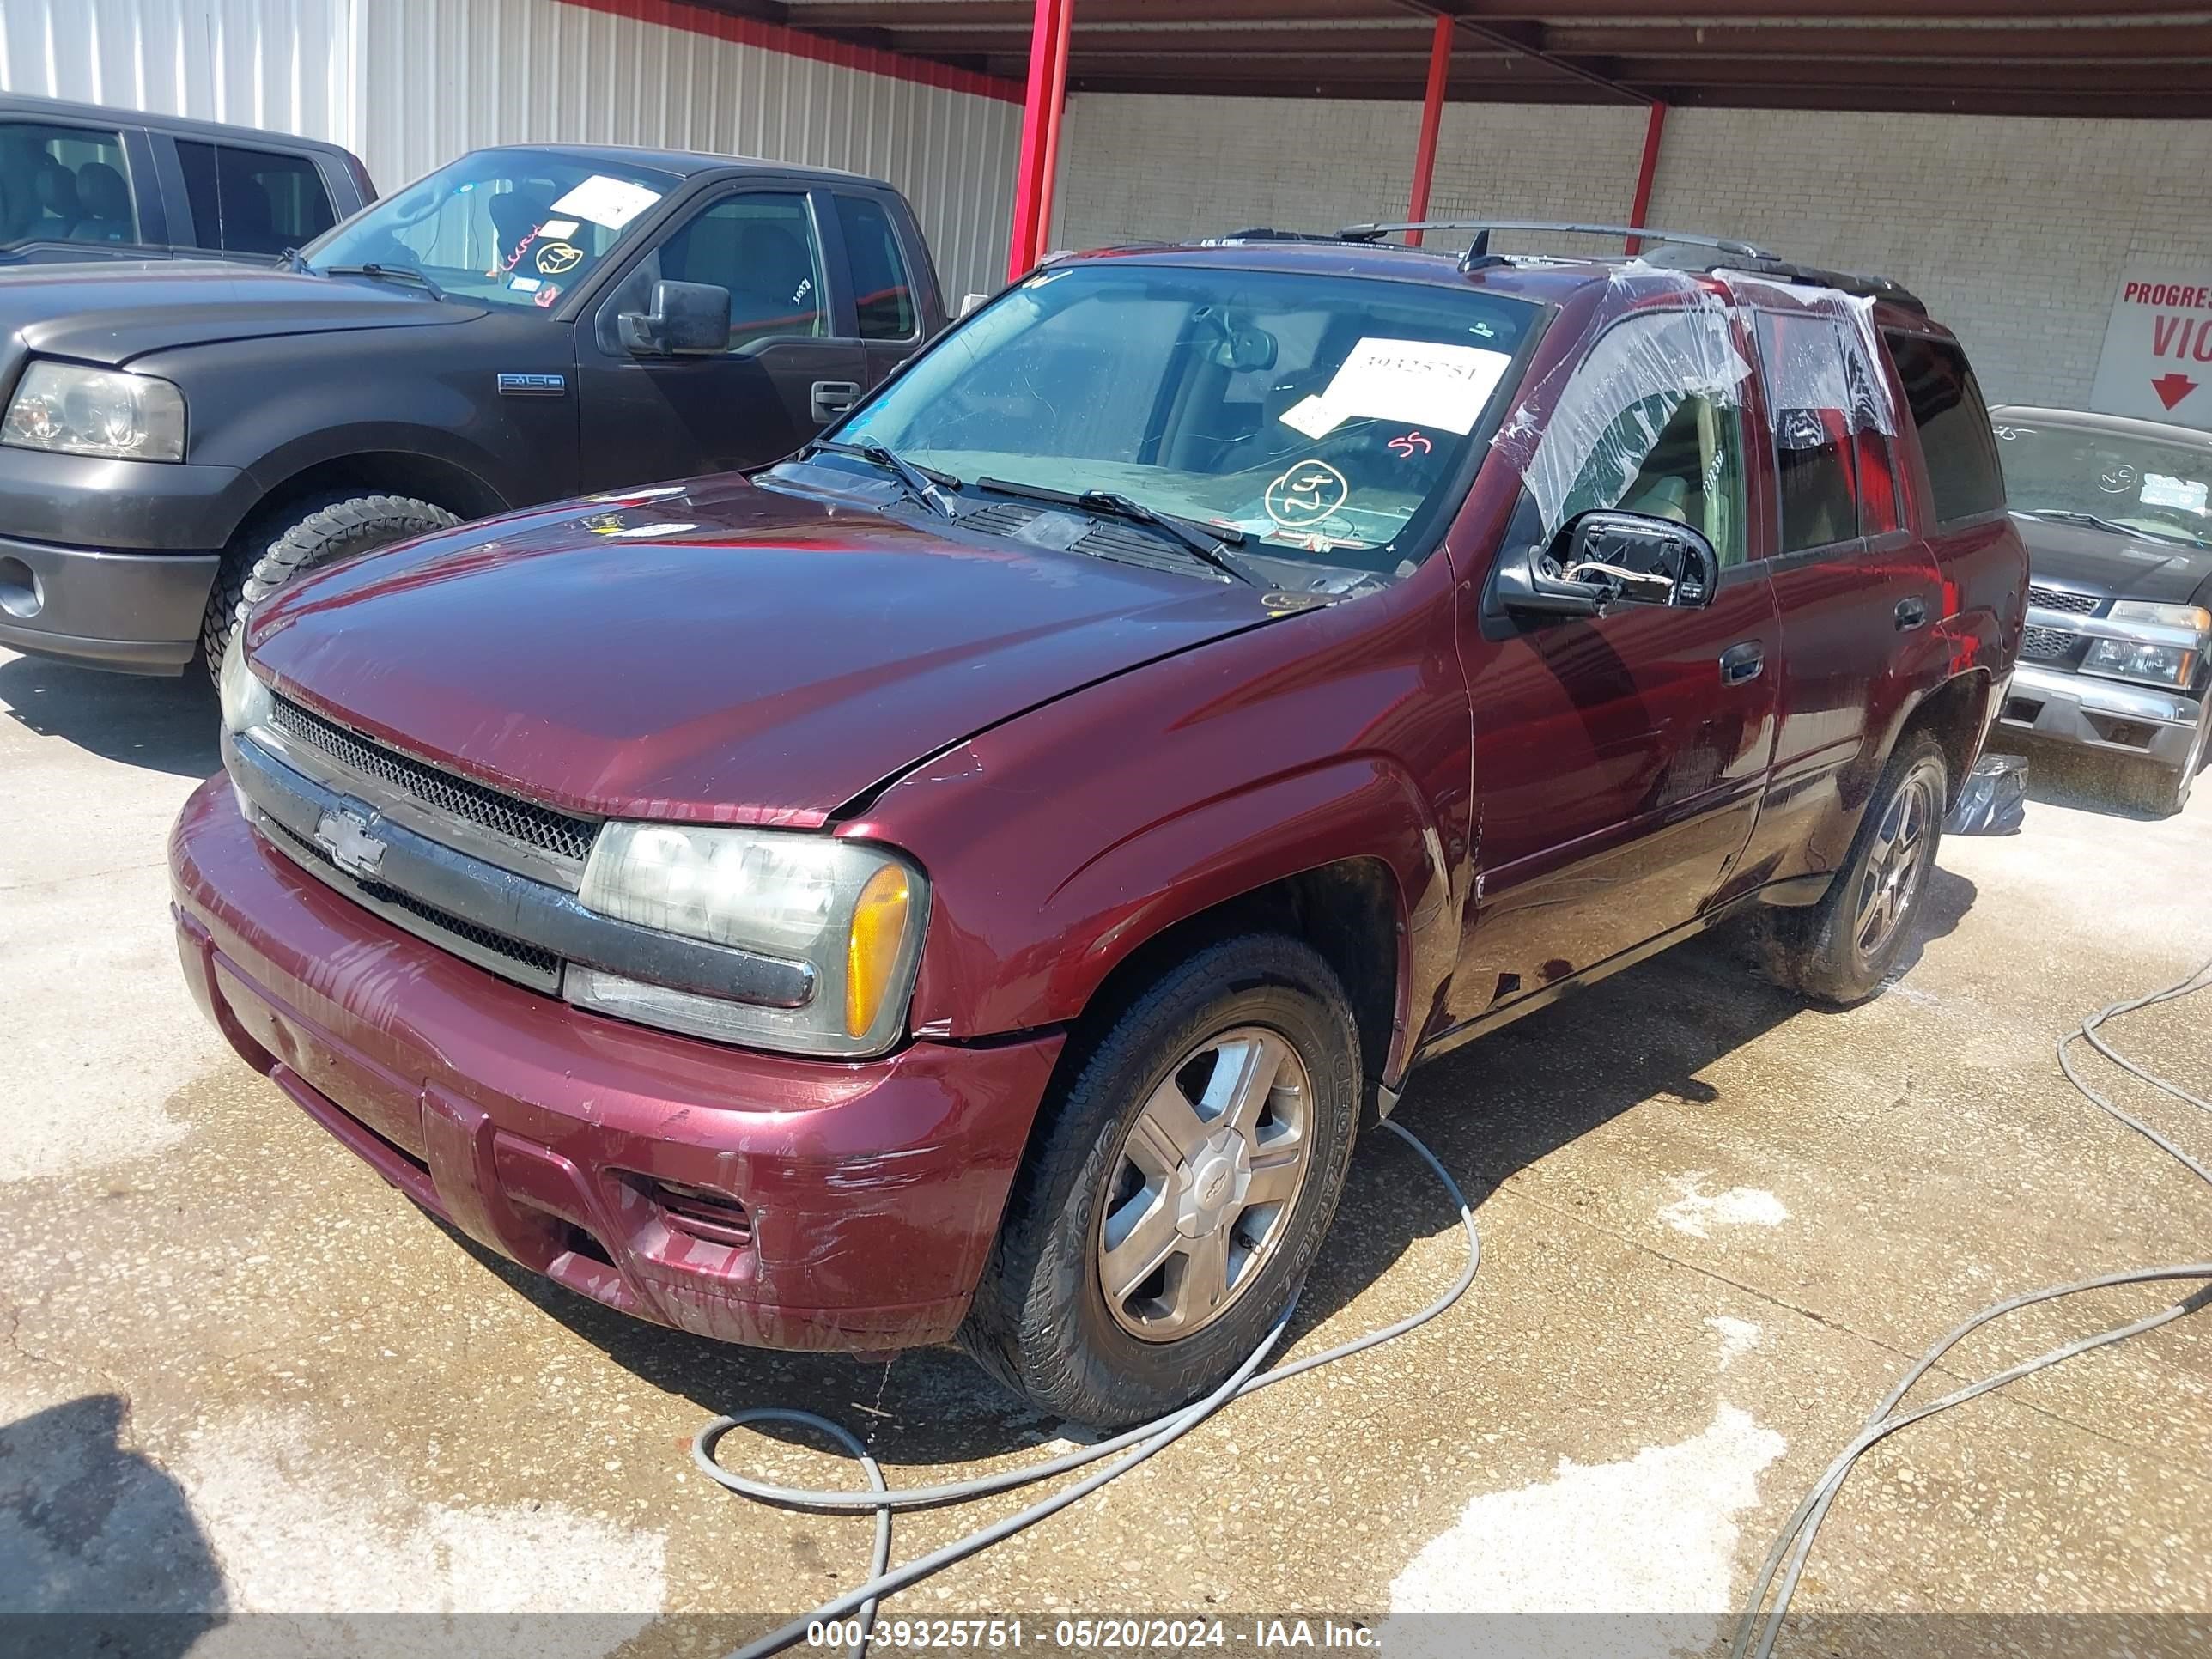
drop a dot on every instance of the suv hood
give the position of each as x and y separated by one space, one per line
111 313
713 651
2122 567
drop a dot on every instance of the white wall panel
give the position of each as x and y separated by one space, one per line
2014 228
445 75
283 64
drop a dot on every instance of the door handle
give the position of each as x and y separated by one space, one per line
834 397
1911 614
1741 663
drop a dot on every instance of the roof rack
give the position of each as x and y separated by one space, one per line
1481 248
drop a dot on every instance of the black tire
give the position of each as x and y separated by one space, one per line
270 551
1819 952
1039 1322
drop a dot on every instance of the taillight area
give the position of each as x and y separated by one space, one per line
714 1217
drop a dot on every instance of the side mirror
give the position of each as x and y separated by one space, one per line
1602 559
687 319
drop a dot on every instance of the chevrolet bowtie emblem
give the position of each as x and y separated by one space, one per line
345 837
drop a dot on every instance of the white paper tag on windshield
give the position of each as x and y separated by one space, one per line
553 230
1421 382
610 201
2187 493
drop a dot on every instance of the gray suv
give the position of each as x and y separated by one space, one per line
2117 517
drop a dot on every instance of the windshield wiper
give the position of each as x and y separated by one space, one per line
389 274
2067 515
922 484
1204 544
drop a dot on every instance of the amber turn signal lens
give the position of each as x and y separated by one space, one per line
878 930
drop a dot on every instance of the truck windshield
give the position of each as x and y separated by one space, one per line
2131 484
1325 416
500 226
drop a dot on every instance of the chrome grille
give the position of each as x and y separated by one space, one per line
527 964
2048 642
2056 598
526 822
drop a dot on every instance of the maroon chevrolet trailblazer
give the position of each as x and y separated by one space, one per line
969 880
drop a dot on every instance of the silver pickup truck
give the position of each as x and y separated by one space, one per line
2118 518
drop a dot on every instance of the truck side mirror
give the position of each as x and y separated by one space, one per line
1601 559
687 319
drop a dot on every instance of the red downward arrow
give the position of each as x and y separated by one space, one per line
2173 388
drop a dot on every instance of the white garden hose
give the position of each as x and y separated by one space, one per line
1138 1444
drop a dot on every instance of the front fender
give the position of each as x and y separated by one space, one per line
1060 843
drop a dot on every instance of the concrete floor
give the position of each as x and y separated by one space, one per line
242 1375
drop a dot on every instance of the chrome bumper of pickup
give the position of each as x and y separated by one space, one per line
2120 719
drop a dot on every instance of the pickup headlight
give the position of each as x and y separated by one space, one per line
852 913
246 699
2154 664
72 409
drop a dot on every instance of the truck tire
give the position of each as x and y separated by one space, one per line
1839 950
1234 1075
270 552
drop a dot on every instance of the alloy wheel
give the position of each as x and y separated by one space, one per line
1896 863
1202 1189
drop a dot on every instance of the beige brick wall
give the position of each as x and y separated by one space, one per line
2014 229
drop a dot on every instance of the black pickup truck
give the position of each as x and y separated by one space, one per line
178 439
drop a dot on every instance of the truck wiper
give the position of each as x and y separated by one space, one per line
2067 515
389 274
921 482
1202 542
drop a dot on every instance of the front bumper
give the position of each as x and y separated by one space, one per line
2140 721
137 613
108 563
816 1204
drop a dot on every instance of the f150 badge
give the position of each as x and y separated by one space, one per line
345 837
533 386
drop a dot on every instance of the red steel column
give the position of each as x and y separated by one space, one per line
1647 174
1432 115
1041 110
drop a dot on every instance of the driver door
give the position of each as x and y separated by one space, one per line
1620 759
793 362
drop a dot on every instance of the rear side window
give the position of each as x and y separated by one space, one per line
881 288
63 185
1816 450
1963 476
253 201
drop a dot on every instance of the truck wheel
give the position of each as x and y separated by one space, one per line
272 551
2163 790
1176 1189
1839 950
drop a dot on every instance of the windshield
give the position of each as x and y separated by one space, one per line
2138 483
1325 416
501 227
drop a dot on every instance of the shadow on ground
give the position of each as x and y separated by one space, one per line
100 1552
1487 1111
165 725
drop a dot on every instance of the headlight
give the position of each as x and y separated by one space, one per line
2153 664
74 410
246 700
852 912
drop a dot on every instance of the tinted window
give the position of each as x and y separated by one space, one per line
63 185
881 289
1963 474
761 246
1814 445
252 201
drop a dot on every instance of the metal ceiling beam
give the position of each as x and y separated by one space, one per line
907 16
1467 17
